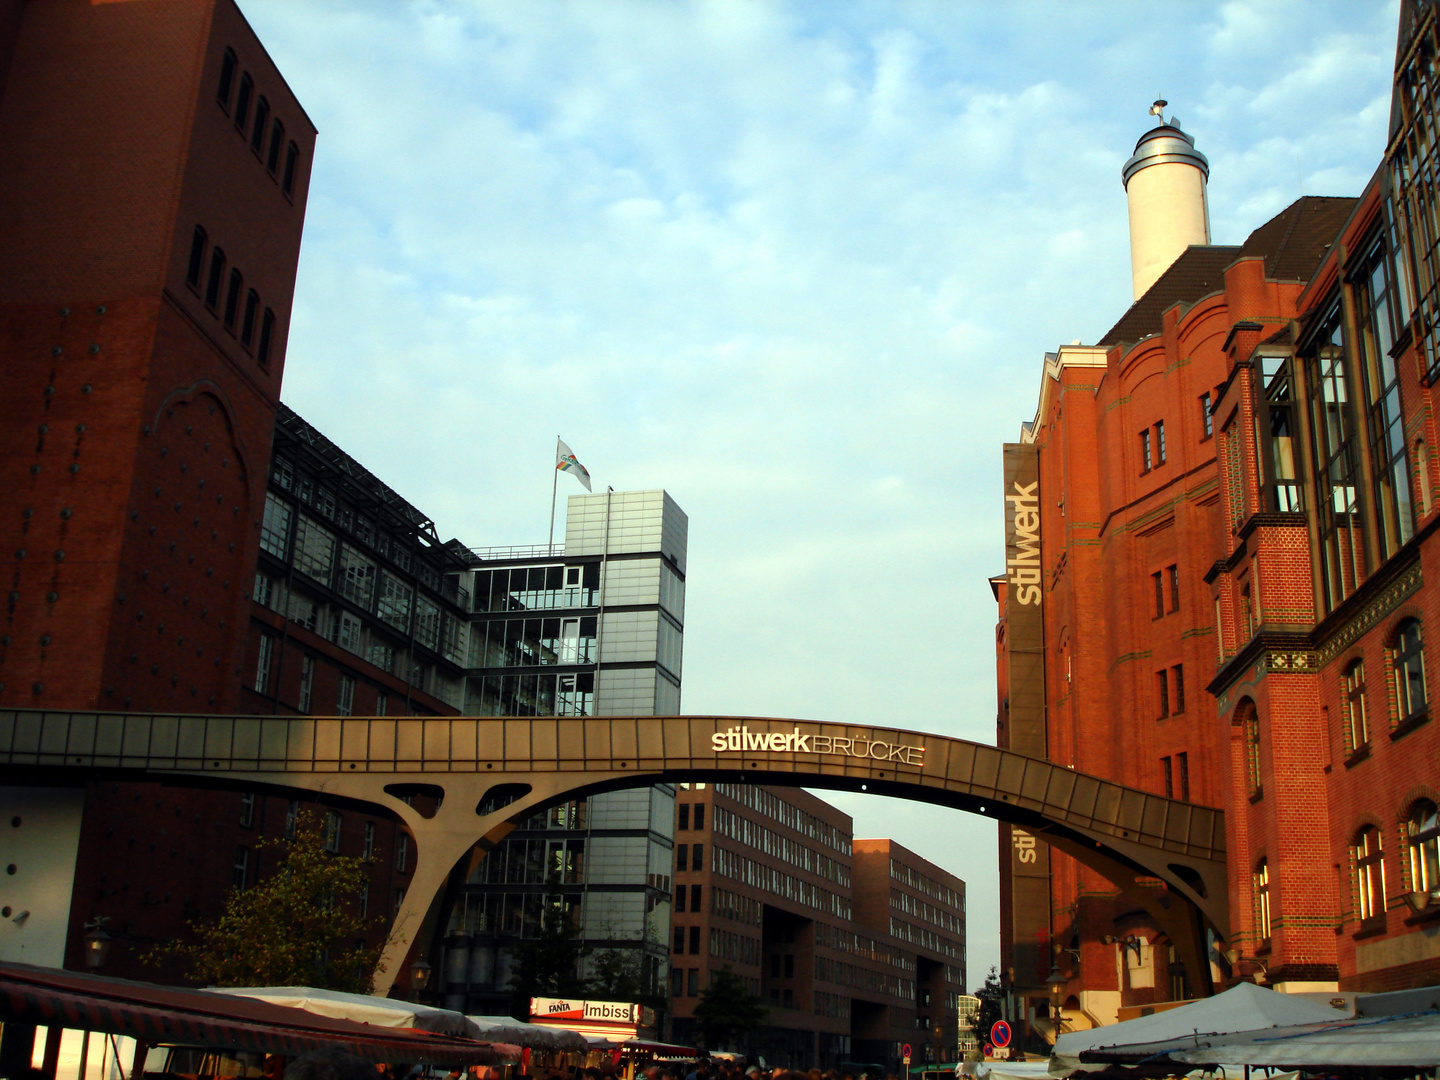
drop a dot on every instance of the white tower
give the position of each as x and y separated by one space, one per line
1165 187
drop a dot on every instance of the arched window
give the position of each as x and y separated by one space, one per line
198 240
242 103
267 331
262 117
232 299
1357 724
247 324
217 276
1260 892
1409 667
292 158
277 140
1369 872
1422 832
227 79
1250 732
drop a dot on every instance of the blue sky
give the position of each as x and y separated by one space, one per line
797 263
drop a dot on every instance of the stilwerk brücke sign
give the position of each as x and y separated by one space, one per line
740 739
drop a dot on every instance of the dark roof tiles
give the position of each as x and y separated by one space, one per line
1292 243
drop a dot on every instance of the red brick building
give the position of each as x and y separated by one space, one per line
856 947
153 174
1235 511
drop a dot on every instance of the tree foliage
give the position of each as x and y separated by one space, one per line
298 927
727 1009
992 1002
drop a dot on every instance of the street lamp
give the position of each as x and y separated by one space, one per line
419 975
1057 983
97 943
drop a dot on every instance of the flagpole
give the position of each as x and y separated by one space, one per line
554 483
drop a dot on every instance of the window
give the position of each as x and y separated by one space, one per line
307 682
314 549
275 526
692 983
1370 873
1182 760
198 240
1158 581
684 815
382 704
367 847
357 577
1409 667
241 877
262 117
1207 417
679 941
395 599
677 980
1422 832
216 278
277 140
1166 774
1336 456
267 332
263 591
1277 426
262 665
232 299
247 324
694 941
345 696
679 897
1177 686
242 103
1159 442
682 856
402 853
695 894
247 810
1145 451
292 818
1357 723
699 815
696 860
1162 692
1377 322
292 158
227 79
1249 723
1173 571
332 832
1260 887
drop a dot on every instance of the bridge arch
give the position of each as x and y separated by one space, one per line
1168 856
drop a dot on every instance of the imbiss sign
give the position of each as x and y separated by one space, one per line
741 740
613 1012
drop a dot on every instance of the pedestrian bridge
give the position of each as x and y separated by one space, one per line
1169 856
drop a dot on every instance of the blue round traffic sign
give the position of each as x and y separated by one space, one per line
1000 1034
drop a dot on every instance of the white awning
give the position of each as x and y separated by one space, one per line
1407 1040
363 1008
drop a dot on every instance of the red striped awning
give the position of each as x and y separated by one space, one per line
49 997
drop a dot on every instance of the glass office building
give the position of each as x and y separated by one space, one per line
588 628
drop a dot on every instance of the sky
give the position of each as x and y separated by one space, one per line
798 263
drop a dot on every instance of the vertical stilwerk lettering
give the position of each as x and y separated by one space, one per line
1023 567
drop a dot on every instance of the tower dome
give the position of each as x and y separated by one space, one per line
1165 189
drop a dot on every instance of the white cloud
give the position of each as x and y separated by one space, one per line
798 263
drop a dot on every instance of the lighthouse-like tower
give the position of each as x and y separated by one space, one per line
1165 188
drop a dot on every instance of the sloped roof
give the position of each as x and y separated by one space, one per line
1292 243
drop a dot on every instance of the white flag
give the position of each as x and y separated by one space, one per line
565 461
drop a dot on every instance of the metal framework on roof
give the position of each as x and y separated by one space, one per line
368 490
1168 856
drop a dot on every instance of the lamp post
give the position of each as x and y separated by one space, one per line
1057 983
97 943
419 976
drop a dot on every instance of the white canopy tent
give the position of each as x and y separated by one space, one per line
536 1036
1243 1008
1405 1040
363 1008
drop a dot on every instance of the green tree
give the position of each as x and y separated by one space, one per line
992 1002
548 965
727 1009
297 927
